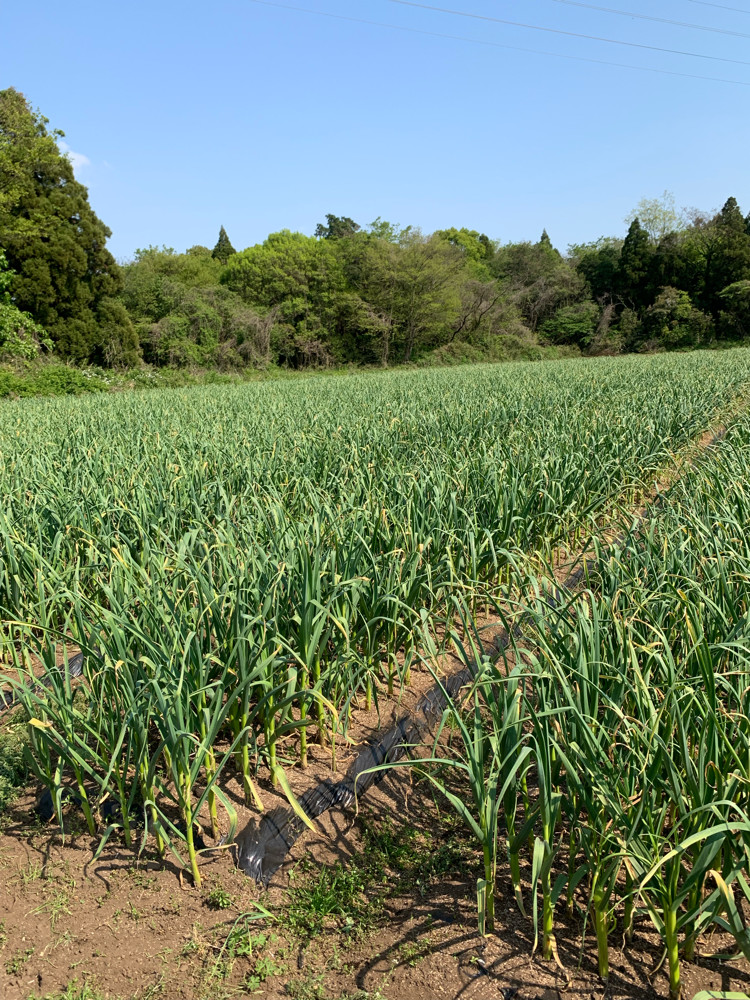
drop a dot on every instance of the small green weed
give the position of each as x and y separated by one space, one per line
56 904
14 772
219 899
264 952
17 960
313 988
413 952
74 992
309 988
31 872
336 892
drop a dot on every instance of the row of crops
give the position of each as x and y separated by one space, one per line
242 567
608 749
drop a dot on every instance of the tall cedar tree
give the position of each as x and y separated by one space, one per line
64 275
337 228
633 268
729 258
223 249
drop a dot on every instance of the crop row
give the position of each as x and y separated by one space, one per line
240 565
609 746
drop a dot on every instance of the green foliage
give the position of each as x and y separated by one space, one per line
20 336
476 247
735 315
336 892
14 771
239 588
673 322
51 380
185 317
219 899
382 295
658 216
55 244
298 282
631 278
598 263
574 324
223 249
336 228
537 278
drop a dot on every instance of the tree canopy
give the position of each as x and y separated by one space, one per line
55 245
347 294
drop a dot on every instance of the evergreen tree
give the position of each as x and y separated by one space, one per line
337 228
64 275
726 255
731 216
20 336
223 249
633 267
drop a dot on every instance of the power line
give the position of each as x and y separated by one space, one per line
570 34
497 45
720 6
650 17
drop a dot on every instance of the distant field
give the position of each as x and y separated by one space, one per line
244 566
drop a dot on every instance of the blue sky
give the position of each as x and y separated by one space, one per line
191 115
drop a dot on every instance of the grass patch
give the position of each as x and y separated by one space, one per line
14 771
74 991
332 896
395 860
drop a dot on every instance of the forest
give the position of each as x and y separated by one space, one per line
349 294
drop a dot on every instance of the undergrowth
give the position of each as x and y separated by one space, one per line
14 772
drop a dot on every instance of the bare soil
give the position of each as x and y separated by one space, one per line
131 927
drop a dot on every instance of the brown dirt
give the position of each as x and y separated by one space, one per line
135 929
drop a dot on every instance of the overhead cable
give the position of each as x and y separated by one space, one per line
497 45
652 17
720 6
570 34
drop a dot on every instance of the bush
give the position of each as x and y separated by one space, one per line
673 322
574 324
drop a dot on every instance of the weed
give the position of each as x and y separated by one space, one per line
363 995
335 892
219 899
412 855
14 771
17 960
261 950
55 905
309 988
390 845
31 872
412 952
143 881
74 992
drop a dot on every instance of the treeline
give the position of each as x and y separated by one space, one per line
379 294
